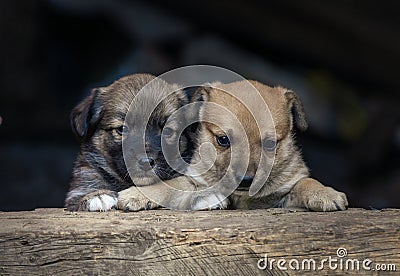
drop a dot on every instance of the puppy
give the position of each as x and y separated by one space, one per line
283 183
99 122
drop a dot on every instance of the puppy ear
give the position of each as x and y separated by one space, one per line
202 94
86 115
179 95
296 107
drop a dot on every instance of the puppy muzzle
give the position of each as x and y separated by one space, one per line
146 163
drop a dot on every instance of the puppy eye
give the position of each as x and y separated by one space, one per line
167 131
269 145
121 129
223 141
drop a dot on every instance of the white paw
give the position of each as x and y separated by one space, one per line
102 203
210 201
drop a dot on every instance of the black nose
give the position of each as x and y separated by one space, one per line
146 163
245 183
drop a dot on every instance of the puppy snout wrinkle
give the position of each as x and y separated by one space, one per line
146 163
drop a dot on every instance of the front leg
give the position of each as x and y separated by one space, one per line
176 194
209 201
132 199
310 194
93 201
173 194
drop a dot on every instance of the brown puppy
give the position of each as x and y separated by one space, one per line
288 184
99 122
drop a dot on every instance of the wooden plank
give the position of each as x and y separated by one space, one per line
163 242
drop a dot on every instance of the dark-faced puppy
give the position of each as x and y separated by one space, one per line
99 122
266 146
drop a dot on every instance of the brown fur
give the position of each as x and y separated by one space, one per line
97 122
288 184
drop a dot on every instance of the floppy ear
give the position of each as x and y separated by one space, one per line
296 108
86 115
202 94
178 95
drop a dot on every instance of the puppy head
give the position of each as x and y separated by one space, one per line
102 121
265 134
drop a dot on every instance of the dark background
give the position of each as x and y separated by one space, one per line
342 58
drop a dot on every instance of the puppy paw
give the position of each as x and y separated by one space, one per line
210 201
132 200
326 199
99 201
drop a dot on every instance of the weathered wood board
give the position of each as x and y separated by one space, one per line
163 242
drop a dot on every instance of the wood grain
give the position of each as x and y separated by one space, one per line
163 242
